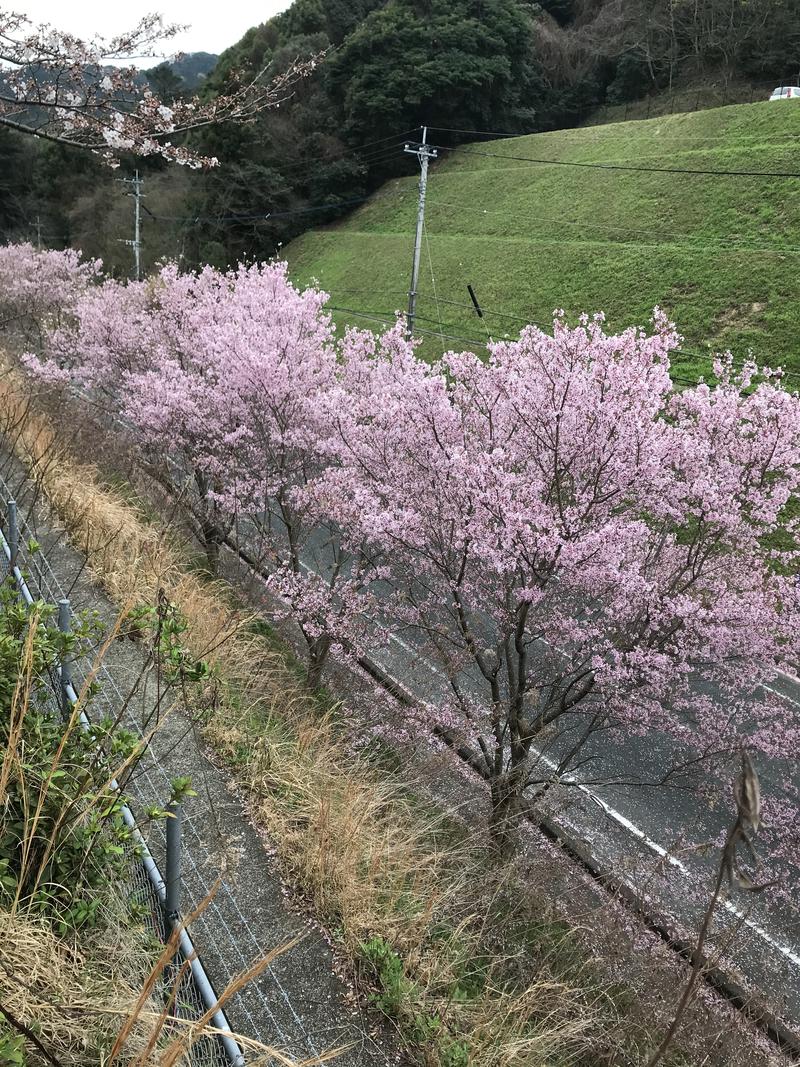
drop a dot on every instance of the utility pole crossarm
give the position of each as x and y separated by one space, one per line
424 154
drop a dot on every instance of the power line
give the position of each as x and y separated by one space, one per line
261 217
375 156
264 215
387 151
697 172
346 150
386 319
433 279
581 134
486 133
687 248
488 310
381 140
314 162
441 300
704 354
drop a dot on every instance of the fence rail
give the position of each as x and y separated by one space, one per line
195 995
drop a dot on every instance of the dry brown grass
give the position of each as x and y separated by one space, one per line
364 857
130 558
106 1002
78 1007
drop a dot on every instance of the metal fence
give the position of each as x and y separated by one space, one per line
190 990
263 1009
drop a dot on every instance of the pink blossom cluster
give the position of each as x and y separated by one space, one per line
579 548
217 377
38 287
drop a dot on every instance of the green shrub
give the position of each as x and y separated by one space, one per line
12 1050
62 835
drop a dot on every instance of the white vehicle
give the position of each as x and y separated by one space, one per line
786 92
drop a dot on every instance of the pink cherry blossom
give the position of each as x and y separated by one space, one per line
38 288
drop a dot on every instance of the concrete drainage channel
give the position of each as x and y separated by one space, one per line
194 996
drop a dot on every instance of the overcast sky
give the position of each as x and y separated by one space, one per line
212 26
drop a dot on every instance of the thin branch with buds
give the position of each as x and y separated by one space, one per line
86 94
747 794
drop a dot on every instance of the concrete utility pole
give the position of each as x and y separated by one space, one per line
136 243
424 153
39 233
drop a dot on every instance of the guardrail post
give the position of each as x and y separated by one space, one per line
65 626
13 534
172 882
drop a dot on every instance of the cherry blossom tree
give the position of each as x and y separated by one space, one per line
218 378
87 94
269 361
580 547
149 356
38 288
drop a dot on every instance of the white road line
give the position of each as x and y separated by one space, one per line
789 677
630 827
616 816
784 950
783 696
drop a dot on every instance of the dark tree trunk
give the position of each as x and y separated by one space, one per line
212 543
318 650
507 806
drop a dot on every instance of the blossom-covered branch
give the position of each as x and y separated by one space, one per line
86 94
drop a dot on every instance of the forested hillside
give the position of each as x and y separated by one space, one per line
387 67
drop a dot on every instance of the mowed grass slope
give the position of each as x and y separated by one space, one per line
721 254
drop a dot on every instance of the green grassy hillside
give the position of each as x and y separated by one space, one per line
721 254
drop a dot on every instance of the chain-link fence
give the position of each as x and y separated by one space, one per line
189 990
222 924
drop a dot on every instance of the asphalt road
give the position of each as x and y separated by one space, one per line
642 831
